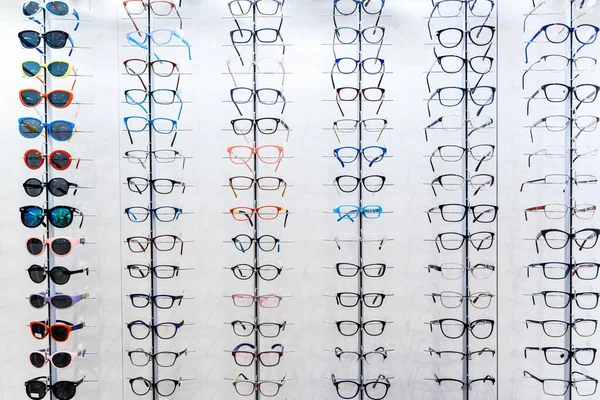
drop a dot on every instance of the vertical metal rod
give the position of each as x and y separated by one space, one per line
466 202
361 367
153 280
255 230
497 201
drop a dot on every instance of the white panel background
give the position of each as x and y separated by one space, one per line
306 87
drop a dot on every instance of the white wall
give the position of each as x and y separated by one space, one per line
207 88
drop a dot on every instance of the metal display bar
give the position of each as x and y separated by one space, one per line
361 366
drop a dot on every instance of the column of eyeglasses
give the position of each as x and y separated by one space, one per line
250 17
357 43
470 24
49 215
576 267
154 101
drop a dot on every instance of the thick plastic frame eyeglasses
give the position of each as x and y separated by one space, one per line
483 213
588 241
164 387
161 301
268 183
263 35
162 213
450 63
268 388
375 389
559 92
465 326
245 358
549 326
250 327
484 36
158 358
160 68
348 270
483 240
586 271
349 154
266 96
266 213
352 212
256 151
370 94
557 300
138 184
349 7
560 356
159 125
592 32
156 328
267 243
267 272
453 10
164 271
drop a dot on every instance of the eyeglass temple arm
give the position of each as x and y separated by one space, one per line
132 20
528 70
429 100
337 101
429 19
529 42
537 248
429 73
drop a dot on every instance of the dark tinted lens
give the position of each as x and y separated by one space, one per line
31 68
64 390
58 187
62 301
61 360
31 98
37 301
60 98
30 127
32 216
31 8
56 39
61 131
37 360
58 68
38 330
58 8
35 246
35 389
29 39
61 246
60 160
33 187
36 273
61 217
33 159
60 275
59 333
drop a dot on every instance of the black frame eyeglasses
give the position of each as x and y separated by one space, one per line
462 356
457 384
557 299
455 182
267 272
584 356
559 92
453 64
450 38
372 328
374 389
559 270
352 299
141 358
138 184
452 96
455 212
557 239
349 7
483 240
375 357
349 183
161 301
348 270
453 8
558 387
455 328
453 153
140 271
555 328
164 387
266 329
267 243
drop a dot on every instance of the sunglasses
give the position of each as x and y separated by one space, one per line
55 98
159 8
267 272
140 330
57 8
268 154
141 358
159 271
162 214
59 130
245 358
58 69
59 331
266 329
162 301
139 244
60 246
61 359
58 216
59 300
56 186
60 160
54 39
161 186
58 275
63 390
270 300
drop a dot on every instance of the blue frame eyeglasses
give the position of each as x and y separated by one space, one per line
157 37
349 154
352 212
558 33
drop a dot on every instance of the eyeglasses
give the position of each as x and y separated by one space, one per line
159 37
557 328
268 154
560 270
270 183
452 37
55 98
462 356
60 160
58 216
371 270
162 301
58 69
483 213
453 123
375 357
454 8
60 246
63 390
372 94
60 331
349 183
561 179
159 271
348 35
266 126
266 213
557 239
451 384
266 329
348 65
558 33
557 299
559 211
245 358
161 68
244 242
59 275
61 359
454 240
267 272
375 389
163 126
54 39
57 8
139 244
351 212
162 214
558 356
164 387
448 299
244 387
61 131
59 300
559 92
584 385
452 64
452 153
161 186
372 328
266 96
452 96
347 126
456 182
138 97
263 35
550 152
558 123
351 299
452 271
160 8
559 62
166 330
239 8
160 156
455 328
270 300
141 358
348 154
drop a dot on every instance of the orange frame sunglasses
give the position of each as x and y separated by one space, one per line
60 331
264 212
56 98
264 153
